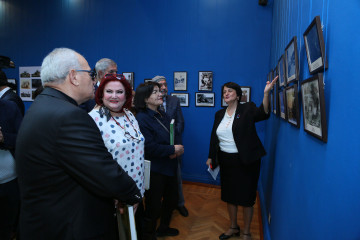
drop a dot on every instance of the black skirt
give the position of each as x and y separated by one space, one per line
238 181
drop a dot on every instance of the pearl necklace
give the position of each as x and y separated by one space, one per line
230 118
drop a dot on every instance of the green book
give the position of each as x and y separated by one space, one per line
172 132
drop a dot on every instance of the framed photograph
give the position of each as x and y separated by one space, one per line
205 81
282 103
204 99
223 103
275 93
292 105
291 61
180 81
147 80
270 76
281 71
246 92
315 47
183 98
129 76
313 102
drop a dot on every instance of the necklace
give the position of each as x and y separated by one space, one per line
231 118
127 133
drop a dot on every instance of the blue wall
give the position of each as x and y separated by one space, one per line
310 188
151 37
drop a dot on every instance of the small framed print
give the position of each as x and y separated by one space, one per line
183 98
129 76
315 47
270 76
147 80
291 61
205 81
282 103
313 102
12 84
180 81
204 99
223 103
246 91
292 105
281 71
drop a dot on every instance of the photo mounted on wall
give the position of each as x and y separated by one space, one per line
129 76
12 84
246 91
292 105
147 80
204 99
291 61
313 102
315 47
180 81
281 71
223 103
205 81
282 103
183 98
29 81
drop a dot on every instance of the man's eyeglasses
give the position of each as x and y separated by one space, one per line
92 73
118 76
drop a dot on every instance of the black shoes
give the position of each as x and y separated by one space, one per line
167 232
183 211
224 236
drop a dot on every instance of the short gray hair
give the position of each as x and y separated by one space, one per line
103 64
57 65
158 78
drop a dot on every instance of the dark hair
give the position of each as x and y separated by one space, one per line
234 86
3 79
110 78
143 91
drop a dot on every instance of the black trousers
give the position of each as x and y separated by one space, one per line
9 208
160 201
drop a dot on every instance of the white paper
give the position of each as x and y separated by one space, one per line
147 174
132 223
214 172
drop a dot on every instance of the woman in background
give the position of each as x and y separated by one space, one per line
236 144
120 131
163 193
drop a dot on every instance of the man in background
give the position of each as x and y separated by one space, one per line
171 105
102 67
68 180
6 93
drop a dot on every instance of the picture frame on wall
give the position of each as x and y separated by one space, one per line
129 76
183 98
180 81
313 102
292 105
246 94
205 81
281 71
204 99
276 90
315 47
147 80
282 104
12 84
223 103
291 61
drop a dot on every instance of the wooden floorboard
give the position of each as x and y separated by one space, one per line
208 216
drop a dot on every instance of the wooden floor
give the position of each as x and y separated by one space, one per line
208 216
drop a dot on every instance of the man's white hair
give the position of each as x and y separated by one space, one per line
103 64
57 65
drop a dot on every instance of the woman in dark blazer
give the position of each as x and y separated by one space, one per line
238 149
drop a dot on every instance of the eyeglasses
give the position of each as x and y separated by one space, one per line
118 76
92 73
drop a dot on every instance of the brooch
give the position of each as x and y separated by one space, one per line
238 115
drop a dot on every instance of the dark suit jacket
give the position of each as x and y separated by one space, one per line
173 110
90 104
67 177
11 96
10 119
246 139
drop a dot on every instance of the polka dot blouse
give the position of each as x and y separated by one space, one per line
124 142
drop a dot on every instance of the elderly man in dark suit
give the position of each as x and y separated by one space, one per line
68 180
6 93
171 106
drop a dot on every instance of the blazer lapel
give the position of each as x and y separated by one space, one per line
238 116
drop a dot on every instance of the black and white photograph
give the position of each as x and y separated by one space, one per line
246 93
291 61
204 99
147 80
35 83
282 104
223 103
180 81
25 83
281 71
313 101
183 98
292 105
205 81
129 76
315 47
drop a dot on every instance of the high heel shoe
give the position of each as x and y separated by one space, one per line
224 236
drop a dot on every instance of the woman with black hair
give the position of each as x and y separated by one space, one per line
237 148
163 193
